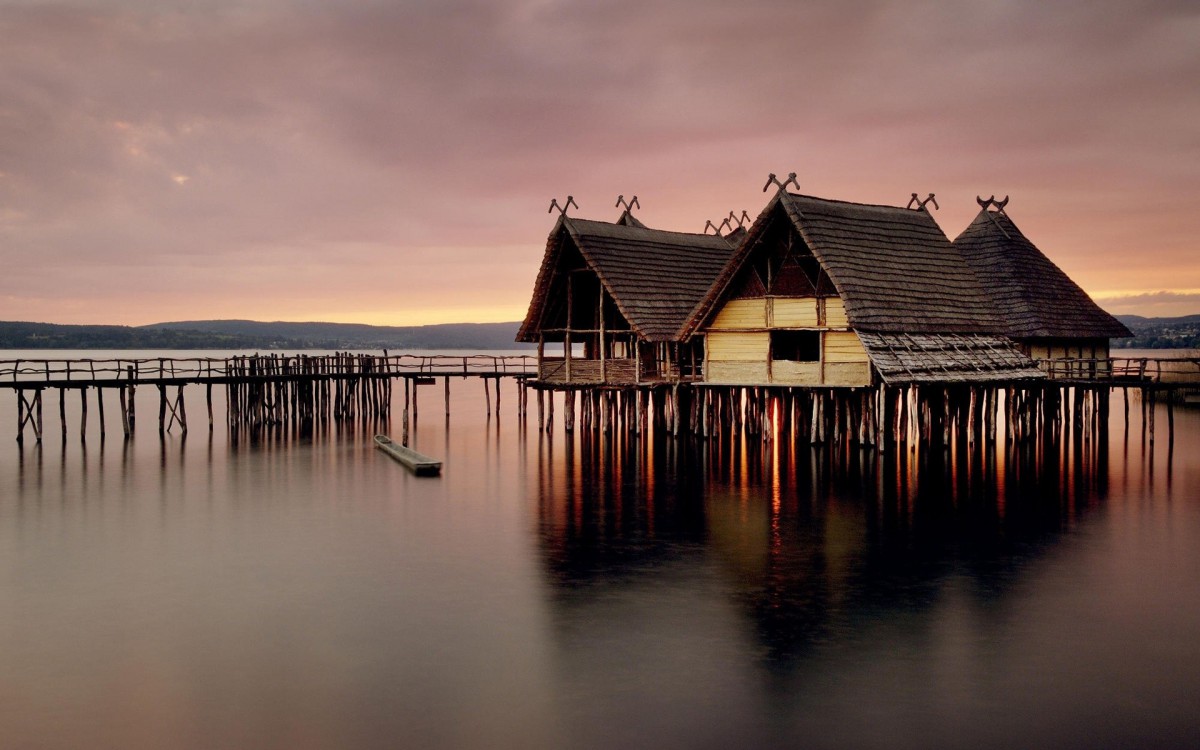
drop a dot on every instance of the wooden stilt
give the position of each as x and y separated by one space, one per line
1171 417
100 409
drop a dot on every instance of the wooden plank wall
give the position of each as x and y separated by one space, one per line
1081 358
738 343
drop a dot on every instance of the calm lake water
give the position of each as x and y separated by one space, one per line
568 592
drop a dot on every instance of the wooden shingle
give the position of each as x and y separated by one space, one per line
654 277
1031 294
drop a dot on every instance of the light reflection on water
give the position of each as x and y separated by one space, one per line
596 591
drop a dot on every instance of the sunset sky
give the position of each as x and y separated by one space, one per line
392 162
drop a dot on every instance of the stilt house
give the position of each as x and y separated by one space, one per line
828 293
617 297
1046 314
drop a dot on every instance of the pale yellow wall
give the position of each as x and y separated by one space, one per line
739 347
844 346
1057 358
738 343
848 373
795 373
835 313
741 313
735 373
794 312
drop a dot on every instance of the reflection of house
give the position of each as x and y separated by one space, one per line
1049 317
818 293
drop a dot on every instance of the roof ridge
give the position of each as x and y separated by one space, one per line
852 203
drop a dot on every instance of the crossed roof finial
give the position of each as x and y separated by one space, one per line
921 203
717 227
991 201
773 180
562 207
630 204
741 220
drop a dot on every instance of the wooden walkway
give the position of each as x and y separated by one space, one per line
274 390
114 373
262 389
1137 372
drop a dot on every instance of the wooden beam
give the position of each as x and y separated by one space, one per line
567 339
603 366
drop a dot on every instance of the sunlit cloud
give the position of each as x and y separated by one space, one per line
1152 304
303 131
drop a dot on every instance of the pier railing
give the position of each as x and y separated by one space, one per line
98 372
1130 370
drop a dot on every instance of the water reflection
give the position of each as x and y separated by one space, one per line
814 546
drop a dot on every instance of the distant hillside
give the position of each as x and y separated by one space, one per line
357 336
1160 333
249 334
21 335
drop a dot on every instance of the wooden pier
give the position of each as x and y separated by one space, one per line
274 390
262 390
1073 400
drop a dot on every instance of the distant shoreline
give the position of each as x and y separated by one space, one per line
260 336
1161 334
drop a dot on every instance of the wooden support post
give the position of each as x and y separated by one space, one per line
674 408
569 411
100 409
446 384
487 395
29 411
181 409
550 412
124 410
603 356
62 411
567 335
1152 408
83 413
1171 417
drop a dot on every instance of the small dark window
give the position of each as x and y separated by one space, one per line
796 346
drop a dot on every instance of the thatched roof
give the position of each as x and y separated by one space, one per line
949 358
654 277
893 267
627 219
1031 294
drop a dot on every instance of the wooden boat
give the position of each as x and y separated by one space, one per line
418 463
